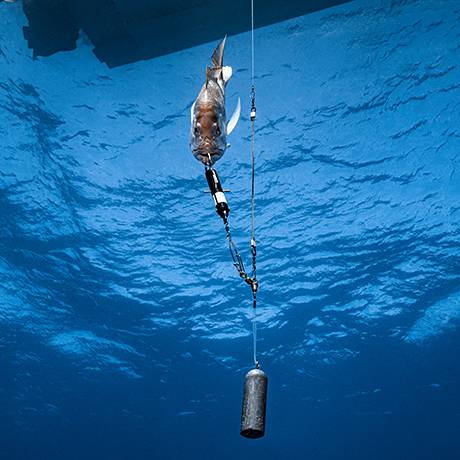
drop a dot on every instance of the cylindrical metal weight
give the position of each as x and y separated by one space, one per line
254 404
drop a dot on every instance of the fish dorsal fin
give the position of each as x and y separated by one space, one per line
218 56
234 120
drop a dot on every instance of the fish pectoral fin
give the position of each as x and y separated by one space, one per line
235 117
192 110
226 74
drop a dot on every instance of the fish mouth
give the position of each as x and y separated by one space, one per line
203 155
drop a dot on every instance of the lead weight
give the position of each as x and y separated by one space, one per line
254 404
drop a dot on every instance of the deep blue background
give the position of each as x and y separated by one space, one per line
126 332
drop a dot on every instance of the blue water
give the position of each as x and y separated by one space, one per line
125 331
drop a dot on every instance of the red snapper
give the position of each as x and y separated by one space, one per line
208 134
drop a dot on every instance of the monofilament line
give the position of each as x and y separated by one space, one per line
253 241
254 334
252 39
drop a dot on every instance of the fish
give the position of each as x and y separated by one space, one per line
209 130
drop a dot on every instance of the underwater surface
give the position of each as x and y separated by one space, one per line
125 330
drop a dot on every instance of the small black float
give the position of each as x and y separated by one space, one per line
217 193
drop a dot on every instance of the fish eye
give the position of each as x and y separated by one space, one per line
197 129
217 129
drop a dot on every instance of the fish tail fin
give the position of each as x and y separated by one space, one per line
214 74
218 56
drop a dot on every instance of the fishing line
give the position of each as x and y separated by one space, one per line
255 382
253 240
252 39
